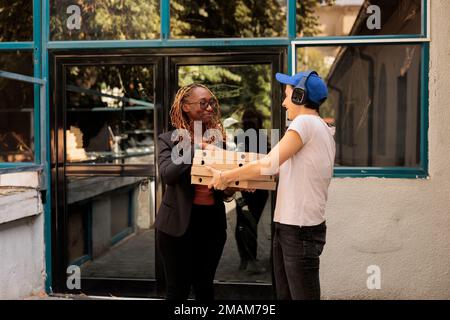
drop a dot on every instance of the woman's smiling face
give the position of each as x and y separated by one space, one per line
200 105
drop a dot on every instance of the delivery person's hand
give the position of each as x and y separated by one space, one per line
216 180
209 146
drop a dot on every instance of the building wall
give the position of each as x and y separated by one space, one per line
22 257
400 225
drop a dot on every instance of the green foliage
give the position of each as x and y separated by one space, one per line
307 20
223 19
315 59
237 87
16 20
107 20
132 81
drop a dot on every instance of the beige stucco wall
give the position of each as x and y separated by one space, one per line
400 225
22 250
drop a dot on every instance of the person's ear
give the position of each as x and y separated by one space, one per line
185 107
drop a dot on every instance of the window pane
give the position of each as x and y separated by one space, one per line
104 20
16 109
374 99
10 13
227 19
358 17
110 113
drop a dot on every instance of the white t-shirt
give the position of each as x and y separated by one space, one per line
304 178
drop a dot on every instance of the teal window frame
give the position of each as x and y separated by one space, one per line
41 45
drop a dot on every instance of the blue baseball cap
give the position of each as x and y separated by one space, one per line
316 88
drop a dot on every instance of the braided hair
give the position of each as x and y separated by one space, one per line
180 120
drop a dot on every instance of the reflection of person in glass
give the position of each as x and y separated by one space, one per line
250 206
304 158
191 222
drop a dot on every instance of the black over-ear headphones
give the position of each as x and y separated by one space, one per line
300 94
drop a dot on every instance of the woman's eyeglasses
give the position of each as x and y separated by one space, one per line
204 104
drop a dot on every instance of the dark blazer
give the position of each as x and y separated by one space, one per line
175 211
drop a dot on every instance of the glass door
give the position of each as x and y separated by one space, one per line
107 112
106 124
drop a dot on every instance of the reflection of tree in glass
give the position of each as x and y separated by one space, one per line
314 59
222 19
133 81
237 87
16 20
107 19
307 19
140 19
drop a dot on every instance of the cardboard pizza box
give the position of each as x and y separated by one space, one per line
247 184
200 170
224 156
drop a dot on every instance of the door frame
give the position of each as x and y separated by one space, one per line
166 61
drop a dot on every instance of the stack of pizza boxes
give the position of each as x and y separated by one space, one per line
227 160
74 145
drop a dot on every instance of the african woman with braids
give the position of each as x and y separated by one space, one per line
191 223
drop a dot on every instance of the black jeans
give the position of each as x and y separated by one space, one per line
192 259
296 252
